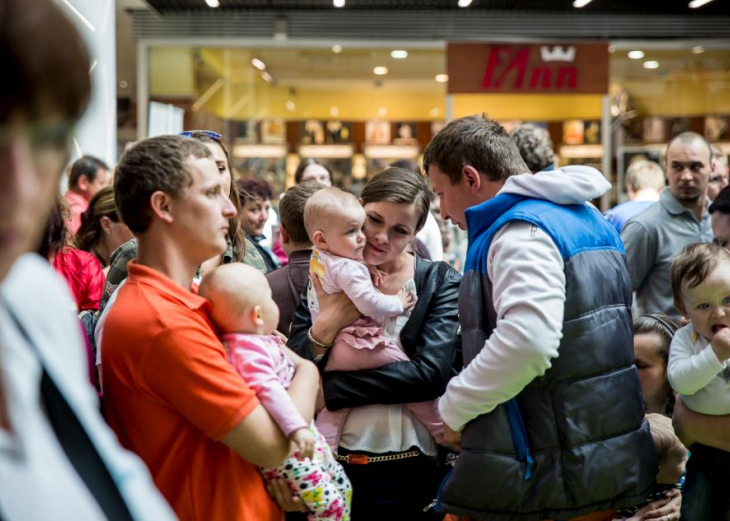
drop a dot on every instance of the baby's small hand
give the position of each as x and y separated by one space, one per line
376 274
305 442
721 344
407 298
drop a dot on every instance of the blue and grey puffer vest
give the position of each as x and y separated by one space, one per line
574 441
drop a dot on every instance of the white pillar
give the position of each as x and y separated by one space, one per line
606 119
96 133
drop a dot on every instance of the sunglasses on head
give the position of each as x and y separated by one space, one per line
208 133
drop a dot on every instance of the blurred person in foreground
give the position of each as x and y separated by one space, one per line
59 460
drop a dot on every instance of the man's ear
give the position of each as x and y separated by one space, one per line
285 237
161 206
82 183
471 177
319 240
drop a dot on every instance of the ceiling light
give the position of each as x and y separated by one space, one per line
213 3
464 3
268 78
611 48
334 112
636 55
698 49
382 111
258 64
338 3
380 71
580 3
434 112
442 78
336 49
290 106
651 64
399 54
694 4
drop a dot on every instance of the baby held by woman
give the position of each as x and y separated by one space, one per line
334 222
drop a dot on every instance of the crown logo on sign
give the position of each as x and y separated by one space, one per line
557 54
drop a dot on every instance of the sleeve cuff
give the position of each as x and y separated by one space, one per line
710 361
449 414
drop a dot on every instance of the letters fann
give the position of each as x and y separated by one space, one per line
562 75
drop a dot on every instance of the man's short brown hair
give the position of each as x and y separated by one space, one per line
157 164
475 141
291 210
692 266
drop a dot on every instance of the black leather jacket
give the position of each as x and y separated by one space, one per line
428 338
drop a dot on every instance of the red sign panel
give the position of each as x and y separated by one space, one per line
527 68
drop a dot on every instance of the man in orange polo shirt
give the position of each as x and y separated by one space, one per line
170 393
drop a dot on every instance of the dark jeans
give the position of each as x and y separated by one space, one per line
706 495
394 490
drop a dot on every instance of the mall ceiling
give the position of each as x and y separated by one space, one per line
434 20
658 7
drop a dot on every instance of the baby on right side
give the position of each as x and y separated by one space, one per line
699 370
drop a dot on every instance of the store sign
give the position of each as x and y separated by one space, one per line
527 69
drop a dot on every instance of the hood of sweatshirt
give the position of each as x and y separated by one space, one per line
568 185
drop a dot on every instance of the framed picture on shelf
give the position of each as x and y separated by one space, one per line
246 131
405 134
338 132
573 132
717 128
592 132
655 130
377 132
312 132
273 131
677 126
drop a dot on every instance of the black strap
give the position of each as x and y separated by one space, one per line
76 443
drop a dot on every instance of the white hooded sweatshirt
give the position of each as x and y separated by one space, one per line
528 281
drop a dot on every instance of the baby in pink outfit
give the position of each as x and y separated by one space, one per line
246 316
334 221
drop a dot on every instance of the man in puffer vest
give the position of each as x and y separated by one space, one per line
548 409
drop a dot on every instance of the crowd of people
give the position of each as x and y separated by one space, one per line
166 352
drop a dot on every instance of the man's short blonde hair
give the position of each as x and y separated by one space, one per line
645 174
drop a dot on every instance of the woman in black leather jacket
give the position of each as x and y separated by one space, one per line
387 453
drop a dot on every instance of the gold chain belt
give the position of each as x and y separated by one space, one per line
362 459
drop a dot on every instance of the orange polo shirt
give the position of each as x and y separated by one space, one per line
170 394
